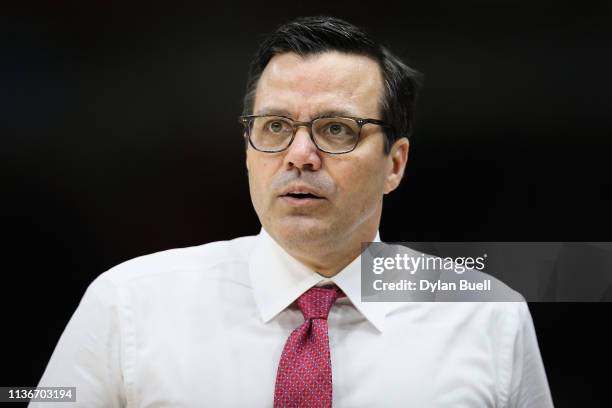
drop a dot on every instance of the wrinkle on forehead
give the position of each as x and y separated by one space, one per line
308 85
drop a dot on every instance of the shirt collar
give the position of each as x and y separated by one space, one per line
279 279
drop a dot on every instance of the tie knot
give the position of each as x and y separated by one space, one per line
315 303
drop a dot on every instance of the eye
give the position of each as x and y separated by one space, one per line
276 126
335 129
338 129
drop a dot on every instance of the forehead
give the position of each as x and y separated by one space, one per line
305 87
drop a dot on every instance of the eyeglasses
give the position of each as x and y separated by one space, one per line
330 134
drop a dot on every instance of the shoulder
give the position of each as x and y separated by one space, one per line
205 260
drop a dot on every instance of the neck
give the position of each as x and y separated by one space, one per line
328 258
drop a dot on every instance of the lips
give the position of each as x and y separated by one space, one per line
302 193
302 196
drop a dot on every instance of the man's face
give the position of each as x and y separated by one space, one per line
349 186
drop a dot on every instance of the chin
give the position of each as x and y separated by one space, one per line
301 230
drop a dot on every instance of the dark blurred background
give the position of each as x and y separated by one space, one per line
120 138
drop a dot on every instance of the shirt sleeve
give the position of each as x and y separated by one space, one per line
88 354
528 385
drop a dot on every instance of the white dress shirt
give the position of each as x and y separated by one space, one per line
205 326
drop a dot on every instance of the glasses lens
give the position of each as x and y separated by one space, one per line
336 135
271 133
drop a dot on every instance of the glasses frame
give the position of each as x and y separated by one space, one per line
246 121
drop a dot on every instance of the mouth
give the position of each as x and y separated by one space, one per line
297 198
302 195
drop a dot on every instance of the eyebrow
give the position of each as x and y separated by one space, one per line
336 112
327 112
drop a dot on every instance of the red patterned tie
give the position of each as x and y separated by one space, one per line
304 373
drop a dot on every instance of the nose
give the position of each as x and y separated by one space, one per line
303 154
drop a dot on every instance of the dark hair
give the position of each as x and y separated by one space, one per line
313 35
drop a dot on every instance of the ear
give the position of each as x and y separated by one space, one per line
398 157
246 158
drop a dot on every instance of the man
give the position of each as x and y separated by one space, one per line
277 319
